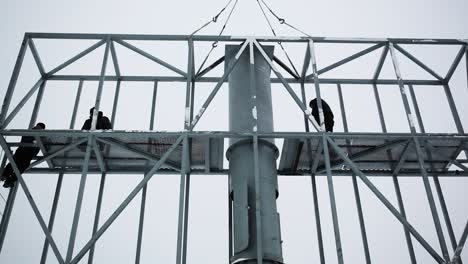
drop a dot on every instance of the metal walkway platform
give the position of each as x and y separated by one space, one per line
396 156
379 154
120 154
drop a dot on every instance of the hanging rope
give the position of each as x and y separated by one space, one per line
274 33
215 44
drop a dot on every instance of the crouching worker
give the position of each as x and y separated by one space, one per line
23 156
103 121
327 114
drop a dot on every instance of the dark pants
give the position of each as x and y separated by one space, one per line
329 126
22 160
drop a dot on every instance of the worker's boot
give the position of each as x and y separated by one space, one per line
10 181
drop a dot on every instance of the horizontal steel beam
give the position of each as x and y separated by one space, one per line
160 78
224 172
195 38
225 134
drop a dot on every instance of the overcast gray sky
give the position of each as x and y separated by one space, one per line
208 211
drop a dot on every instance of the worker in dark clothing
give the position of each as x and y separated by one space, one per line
23 156
103 122
327 114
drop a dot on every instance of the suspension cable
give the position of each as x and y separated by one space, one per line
283 21
215 44
274 33
214 19
280 20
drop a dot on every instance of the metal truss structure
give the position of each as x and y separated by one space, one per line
189 152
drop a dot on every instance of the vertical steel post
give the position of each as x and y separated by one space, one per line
331 191
7 214
435 178
84 173
419 153
252 166
401 207
184 190
453 108
37 104
416 109
355 184
79 200
153 105
313 62
466 63
144 190
191 79
97 215
318 225
116 101
97 104
58 188
396 183
445 212
76 105
379 108
13 80
183 193
103 177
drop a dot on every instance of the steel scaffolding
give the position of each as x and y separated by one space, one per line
310 153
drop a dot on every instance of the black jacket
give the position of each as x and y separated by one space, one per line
27 151
327 114
103 122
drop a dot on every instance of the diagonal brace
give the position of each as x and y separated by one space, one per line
58 152
218 86
209 68
99 156
77 57
135 151
31 201
418 62
367 152
453 161
127 201
23 101
348 59
285 67
385 201
298 101
151 57
461 244
402 159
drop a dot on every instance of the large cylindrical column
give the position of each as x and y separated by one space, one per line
241 161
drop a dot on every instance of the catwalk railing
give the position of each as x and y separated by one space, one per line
189 152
